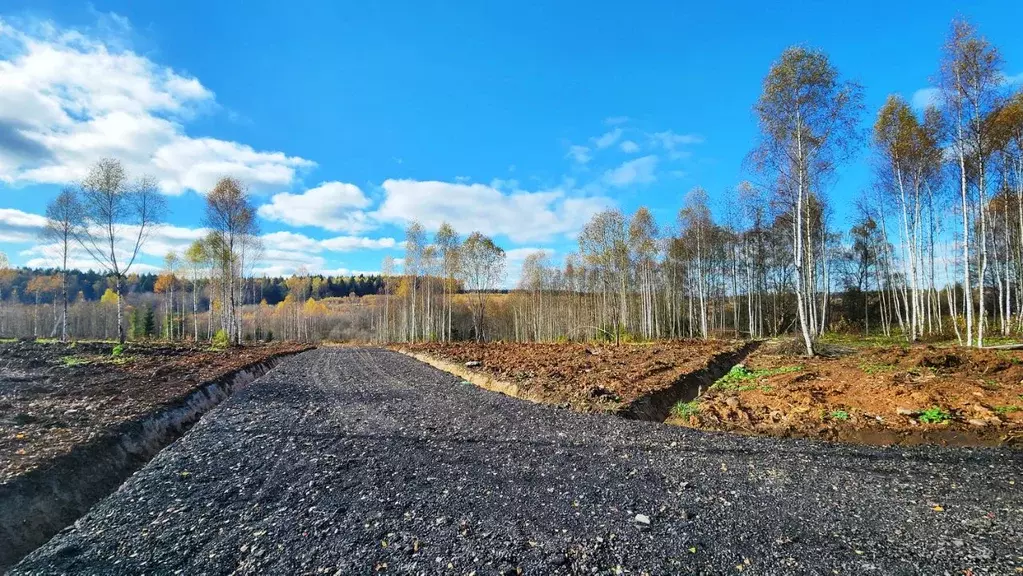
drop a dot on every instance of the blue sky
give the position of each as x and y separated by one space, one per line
347 119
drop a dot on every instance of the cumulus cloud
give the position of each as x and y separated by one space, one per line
520 215
160 241
349 243
639 171
20 227
515 257
926 97
67 99
671 142
294 241
931 96
629 147
335 206
607 139
580 154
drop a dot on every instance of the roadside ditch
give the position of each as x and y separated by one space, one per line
655 406
34 506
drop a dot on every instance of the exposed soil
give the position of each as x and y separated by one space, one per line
355 461
55 396
584 377
881 395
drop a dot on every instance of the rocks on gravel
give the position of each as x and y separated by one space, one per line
359 485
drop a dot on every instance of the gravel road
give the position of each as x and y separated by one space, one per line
355 461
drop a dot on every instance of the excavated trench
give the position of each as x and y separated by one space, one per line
36 505
655 407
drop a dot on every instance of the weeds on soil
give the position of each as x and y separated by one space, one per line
684 410
935 415
877 368
839 415
1002 410
742 379
70 361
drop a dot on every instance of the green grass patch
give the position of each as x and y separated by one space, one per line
839 415
990 384
117 351
70 361
935 415
1009 355
861 341
1007 409
684 410
877 367
742 379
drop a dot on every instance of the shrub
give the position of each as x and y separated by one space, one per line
220 340
117 351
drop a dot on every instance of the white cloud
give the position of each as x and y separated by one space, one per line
926 97
607 139
349 243
671 142
629 147
638 171
333 206
581 154
931 96
67 100
515 257
520 215
292 241
20 227
160 241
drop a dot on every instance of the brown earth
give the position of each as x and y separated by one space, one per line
864 394
874 395
585 377
55 396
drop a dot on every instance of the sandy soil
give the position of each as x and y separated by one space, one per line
54 396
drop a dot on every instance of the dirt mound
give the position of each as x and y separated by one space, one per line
587 377
886 395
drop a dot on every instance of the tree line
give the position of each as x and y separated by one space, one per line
935 248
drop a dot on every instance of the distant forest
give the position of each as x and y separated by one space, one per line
16 283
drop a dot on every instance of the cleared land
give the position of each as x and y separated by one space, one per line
585 377
876 394
350 461
56 396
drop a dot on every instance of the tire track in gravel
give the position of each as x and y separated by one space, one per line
357 461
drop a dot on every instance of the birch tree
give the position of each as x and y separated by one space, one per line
808 123
969 79
232 221
117 218
482 270
63 219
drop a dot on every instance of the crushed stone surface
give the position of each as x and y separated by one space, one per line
359 461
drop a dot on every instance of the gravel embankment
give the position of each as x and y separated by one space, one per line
350 461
